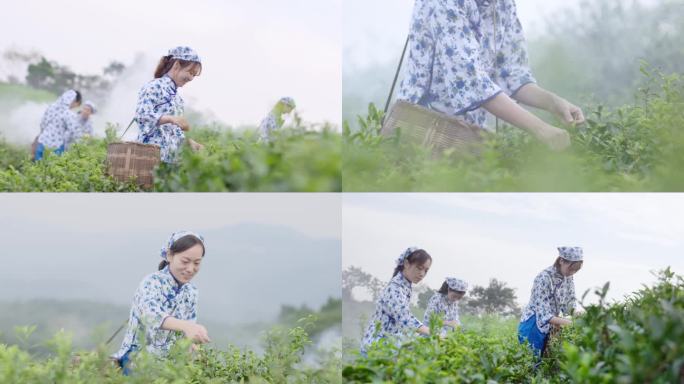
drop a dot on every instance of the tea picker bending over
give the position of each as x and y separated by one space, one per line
159 112
165 303
392 317
85 126
274 119
444 303
58 125
553 293
467 57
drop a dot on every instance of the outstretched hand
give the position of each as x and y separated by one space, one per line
196 333
567 112
555 138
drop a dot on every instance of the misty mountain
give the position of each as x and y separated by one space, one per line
249 271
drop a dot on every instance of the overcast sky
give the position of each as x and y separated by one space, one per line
253 52
263 250
512 237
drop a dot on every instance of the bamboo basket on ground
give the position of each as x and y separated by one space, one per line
131 160
431 129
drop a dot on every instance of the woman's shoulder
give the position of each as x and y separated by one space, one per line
153 279
545 275
191 289
399 282
436 298
156 84
152 276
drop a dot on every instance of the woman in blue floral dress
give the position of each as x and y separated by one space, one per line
469 57
274 120
159 112
553 293
83 122
165 303
58 125
444 303
393 318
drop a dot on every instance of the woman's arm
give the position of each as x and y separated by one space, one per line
192 330
559 321
195 145
538 97
398 308
180 121
505 108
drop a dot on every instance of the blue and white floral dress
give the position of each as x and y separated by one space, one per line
158 98
552 294
58 125
392 317
84 127
462 53
159 296
439 305
267 126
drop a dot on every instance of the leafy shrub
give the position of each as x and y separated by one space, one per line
296 160
633 148
281 362
638 340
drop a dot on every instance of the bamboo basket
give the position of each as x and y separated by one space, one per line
431 129
131 160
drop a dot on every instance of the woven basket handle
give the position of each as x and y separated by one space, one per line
116 332
396 76
126 130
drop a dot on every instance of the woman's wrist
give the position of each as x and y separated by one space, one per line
553 102
537 127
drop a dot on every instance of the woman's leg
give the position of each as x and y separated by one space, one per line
40 150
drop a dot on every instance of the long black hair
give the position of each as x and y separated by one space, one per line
181 245
419 256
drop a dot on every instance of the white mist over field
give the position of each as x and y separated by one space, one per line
253 53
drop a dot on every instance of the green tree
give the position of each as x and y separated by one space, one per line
424 297
354 277
497 297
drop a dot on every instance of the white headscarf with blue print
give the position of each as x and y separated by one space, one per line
175 237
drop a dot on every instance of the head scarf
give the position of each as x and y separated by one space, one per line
456 284
287 101
405 254
91 105
184 53
571 253
175 237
